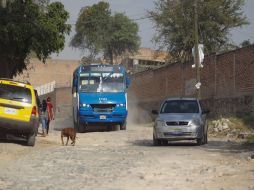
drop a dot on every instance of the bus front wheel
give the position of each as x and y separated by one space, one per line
79 127
123 125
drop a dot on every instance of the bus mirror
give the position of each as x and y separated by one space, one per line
74 86
75 82
128 82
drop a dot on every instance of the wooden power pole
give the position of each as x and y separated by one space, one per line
197 60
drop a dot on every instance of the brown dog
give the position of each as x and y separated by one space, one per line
69 133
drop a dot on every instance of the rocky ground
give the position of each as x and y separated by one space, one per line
121 160
232 128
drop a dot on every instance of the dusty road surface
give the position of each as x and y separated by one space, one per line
121 160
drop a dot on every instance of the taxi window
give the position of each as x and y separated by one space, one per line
15 93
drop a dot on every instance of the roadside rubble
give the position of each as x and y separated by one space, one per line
233 131
223 127
251 157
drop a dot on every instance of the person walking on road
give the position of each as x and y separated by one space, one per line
44 117
50 113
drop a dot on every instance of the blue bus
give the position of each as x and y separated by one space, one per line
99 96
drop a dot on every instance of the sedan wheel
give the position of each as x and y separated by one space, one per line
201 141
164 142
206 139
156 142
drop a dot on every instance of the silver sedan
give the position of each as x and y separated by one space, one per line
180 119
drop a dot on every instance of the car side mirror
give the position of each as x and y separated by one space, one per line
155 112
205 111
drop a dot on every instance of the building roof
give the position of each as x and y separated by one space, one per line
151 55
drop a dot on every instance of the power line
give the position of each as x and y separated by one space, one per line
141 18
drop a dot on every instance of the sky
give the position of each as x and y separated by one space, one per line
135 9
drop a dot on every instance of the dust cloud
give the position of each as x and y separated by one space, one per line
138 114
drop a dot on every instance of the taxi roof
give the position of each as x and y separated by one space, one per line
15 82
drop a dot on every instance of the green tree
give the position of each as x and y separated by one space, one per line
122 37
90 29
174 20
27 27
98 32
245 43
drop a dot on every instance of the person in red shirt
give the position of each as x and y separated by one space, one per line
50 113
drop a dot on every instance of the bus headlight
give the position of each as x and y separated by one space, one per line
84 105
120 105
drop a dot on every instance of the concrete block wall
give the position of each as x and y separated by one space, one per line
63 102
227 79
52 96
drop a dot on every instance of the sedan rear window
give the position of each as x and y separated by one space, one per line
15 93
180 106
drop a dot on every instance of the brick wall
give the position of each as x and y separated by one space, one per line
39 73
227 83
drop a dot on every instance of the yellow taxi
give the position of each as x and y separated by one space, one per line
18 110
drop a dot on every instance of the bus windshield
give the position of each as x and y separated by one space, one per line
102 82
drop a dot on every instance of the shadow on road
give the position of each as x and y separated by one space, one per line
12 139
95 129
149 143
229 147
61 123
144 142
212 146
17 140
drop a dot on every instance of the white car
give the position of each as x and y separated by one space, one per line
180 119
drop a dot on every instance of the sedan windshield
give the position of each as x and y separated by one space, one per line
102 82
180 106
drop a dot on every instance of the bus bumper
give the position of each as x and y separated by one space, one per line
91 117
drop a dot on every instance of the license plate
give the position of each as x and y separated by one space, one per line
177 133
176 130
10 111
103 117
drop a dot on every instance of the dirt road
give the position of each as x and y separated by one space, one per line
120 160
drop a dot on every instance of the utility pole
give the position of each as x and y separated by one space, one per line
196 50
